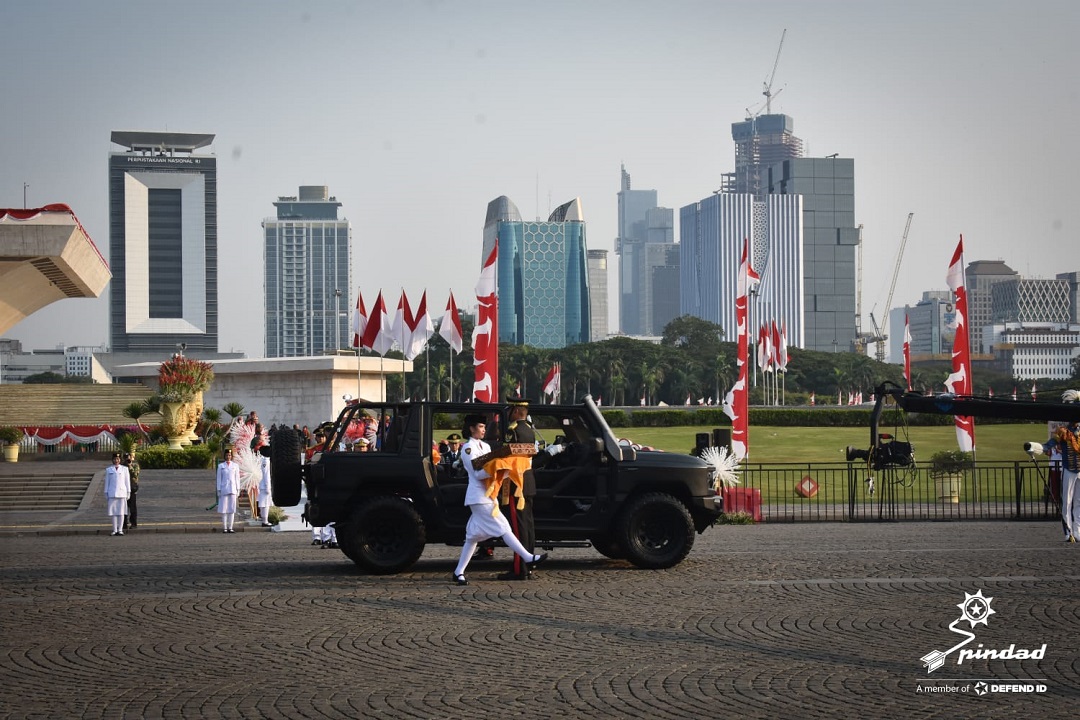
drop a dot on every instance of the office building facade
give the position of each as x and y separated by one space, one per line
979 279
163 243
830 238
542 275
646 242
711 235
598 294
307 259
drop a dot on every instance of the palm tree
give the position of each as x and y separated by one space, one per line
233 410
135 411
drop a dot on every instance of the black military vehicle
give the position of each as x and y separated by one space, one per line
387 503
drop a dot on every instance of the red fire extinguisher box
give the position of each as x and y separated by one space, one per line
742 499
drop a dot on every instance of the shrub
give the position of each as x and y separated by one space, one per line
11 435
949 462
736 518
160 457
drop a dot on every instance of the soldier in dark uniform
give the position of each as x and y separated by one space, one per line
520 430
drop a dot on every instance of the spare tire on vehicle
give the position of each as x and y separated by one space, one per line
286 469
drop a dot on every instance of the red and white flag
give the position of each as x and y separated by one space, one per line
783 355
959 382
450 327
378 335
401 321
517 389
553 381
485 339
420 329
688 399
1034 394
737 400
359 321
990 392
1014 392
813 399
778 357
907 352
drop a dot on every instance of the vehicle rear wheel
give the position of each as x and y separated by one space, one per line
385 535
286 470
656 531
608 547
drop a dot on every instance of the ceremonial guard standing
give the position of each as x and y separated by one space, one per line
117 490
521 431
228 489
1067 441
132 465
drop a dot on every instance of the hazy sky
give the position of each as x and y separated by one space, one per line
417 114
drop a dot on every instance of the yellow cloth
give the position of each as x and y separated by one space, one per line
503 470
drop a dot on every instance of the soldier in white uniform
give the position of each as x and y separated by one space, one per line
117 491
228 489
486 521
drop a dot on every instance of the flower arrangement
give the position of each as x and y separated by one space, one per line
10 435
181 378
945 462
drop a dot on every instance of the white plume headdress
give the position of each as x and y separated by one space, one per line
725 472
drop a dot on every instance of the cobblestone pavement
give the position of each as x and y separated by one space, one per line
769 621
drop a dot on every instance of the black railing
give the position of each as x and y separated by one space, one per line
846 492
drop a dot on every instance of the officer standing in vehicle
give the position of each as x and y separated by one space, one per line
520 431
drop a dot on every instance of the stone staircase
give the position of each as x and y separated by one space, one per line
59 491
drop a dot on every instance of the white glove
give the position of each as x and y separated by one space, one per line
554 450
456 464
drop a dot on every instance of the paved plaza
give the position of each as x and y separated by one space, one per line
771 621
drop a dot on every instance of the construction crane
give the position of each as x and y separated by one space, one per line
879 336
767 92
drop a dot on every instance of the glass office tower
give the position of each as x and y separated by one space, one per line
542 275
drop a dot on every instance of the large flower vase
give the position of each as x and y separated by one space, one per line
194 412
174 423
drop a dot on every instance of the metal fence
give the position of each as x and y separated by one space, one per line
819 492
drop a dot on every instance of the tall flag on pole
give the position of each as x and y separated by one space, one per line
485 339
378 335
359 321
450 327
959 382
907 352
737 401
402 322
783 354
419 328
553 381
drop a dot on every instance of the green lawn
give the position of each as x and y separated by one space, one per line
993 443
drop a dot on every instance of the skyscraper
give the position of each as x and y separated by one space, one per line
760 141
830 237
979 279
711 239
643 225
542 275
163 243
308 275
598 294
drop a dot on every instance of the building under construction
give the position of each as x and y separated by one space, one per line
760 142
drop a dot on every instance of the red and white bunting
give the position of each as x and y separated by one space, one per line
959 382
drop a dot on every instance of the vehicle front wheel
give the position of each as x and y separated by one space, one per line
656 531
384 536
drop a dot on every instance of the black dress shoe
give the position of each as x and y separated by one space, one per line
539 559
460 580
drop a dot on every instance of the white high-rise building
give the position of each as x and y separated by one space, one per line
308 275
711 238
